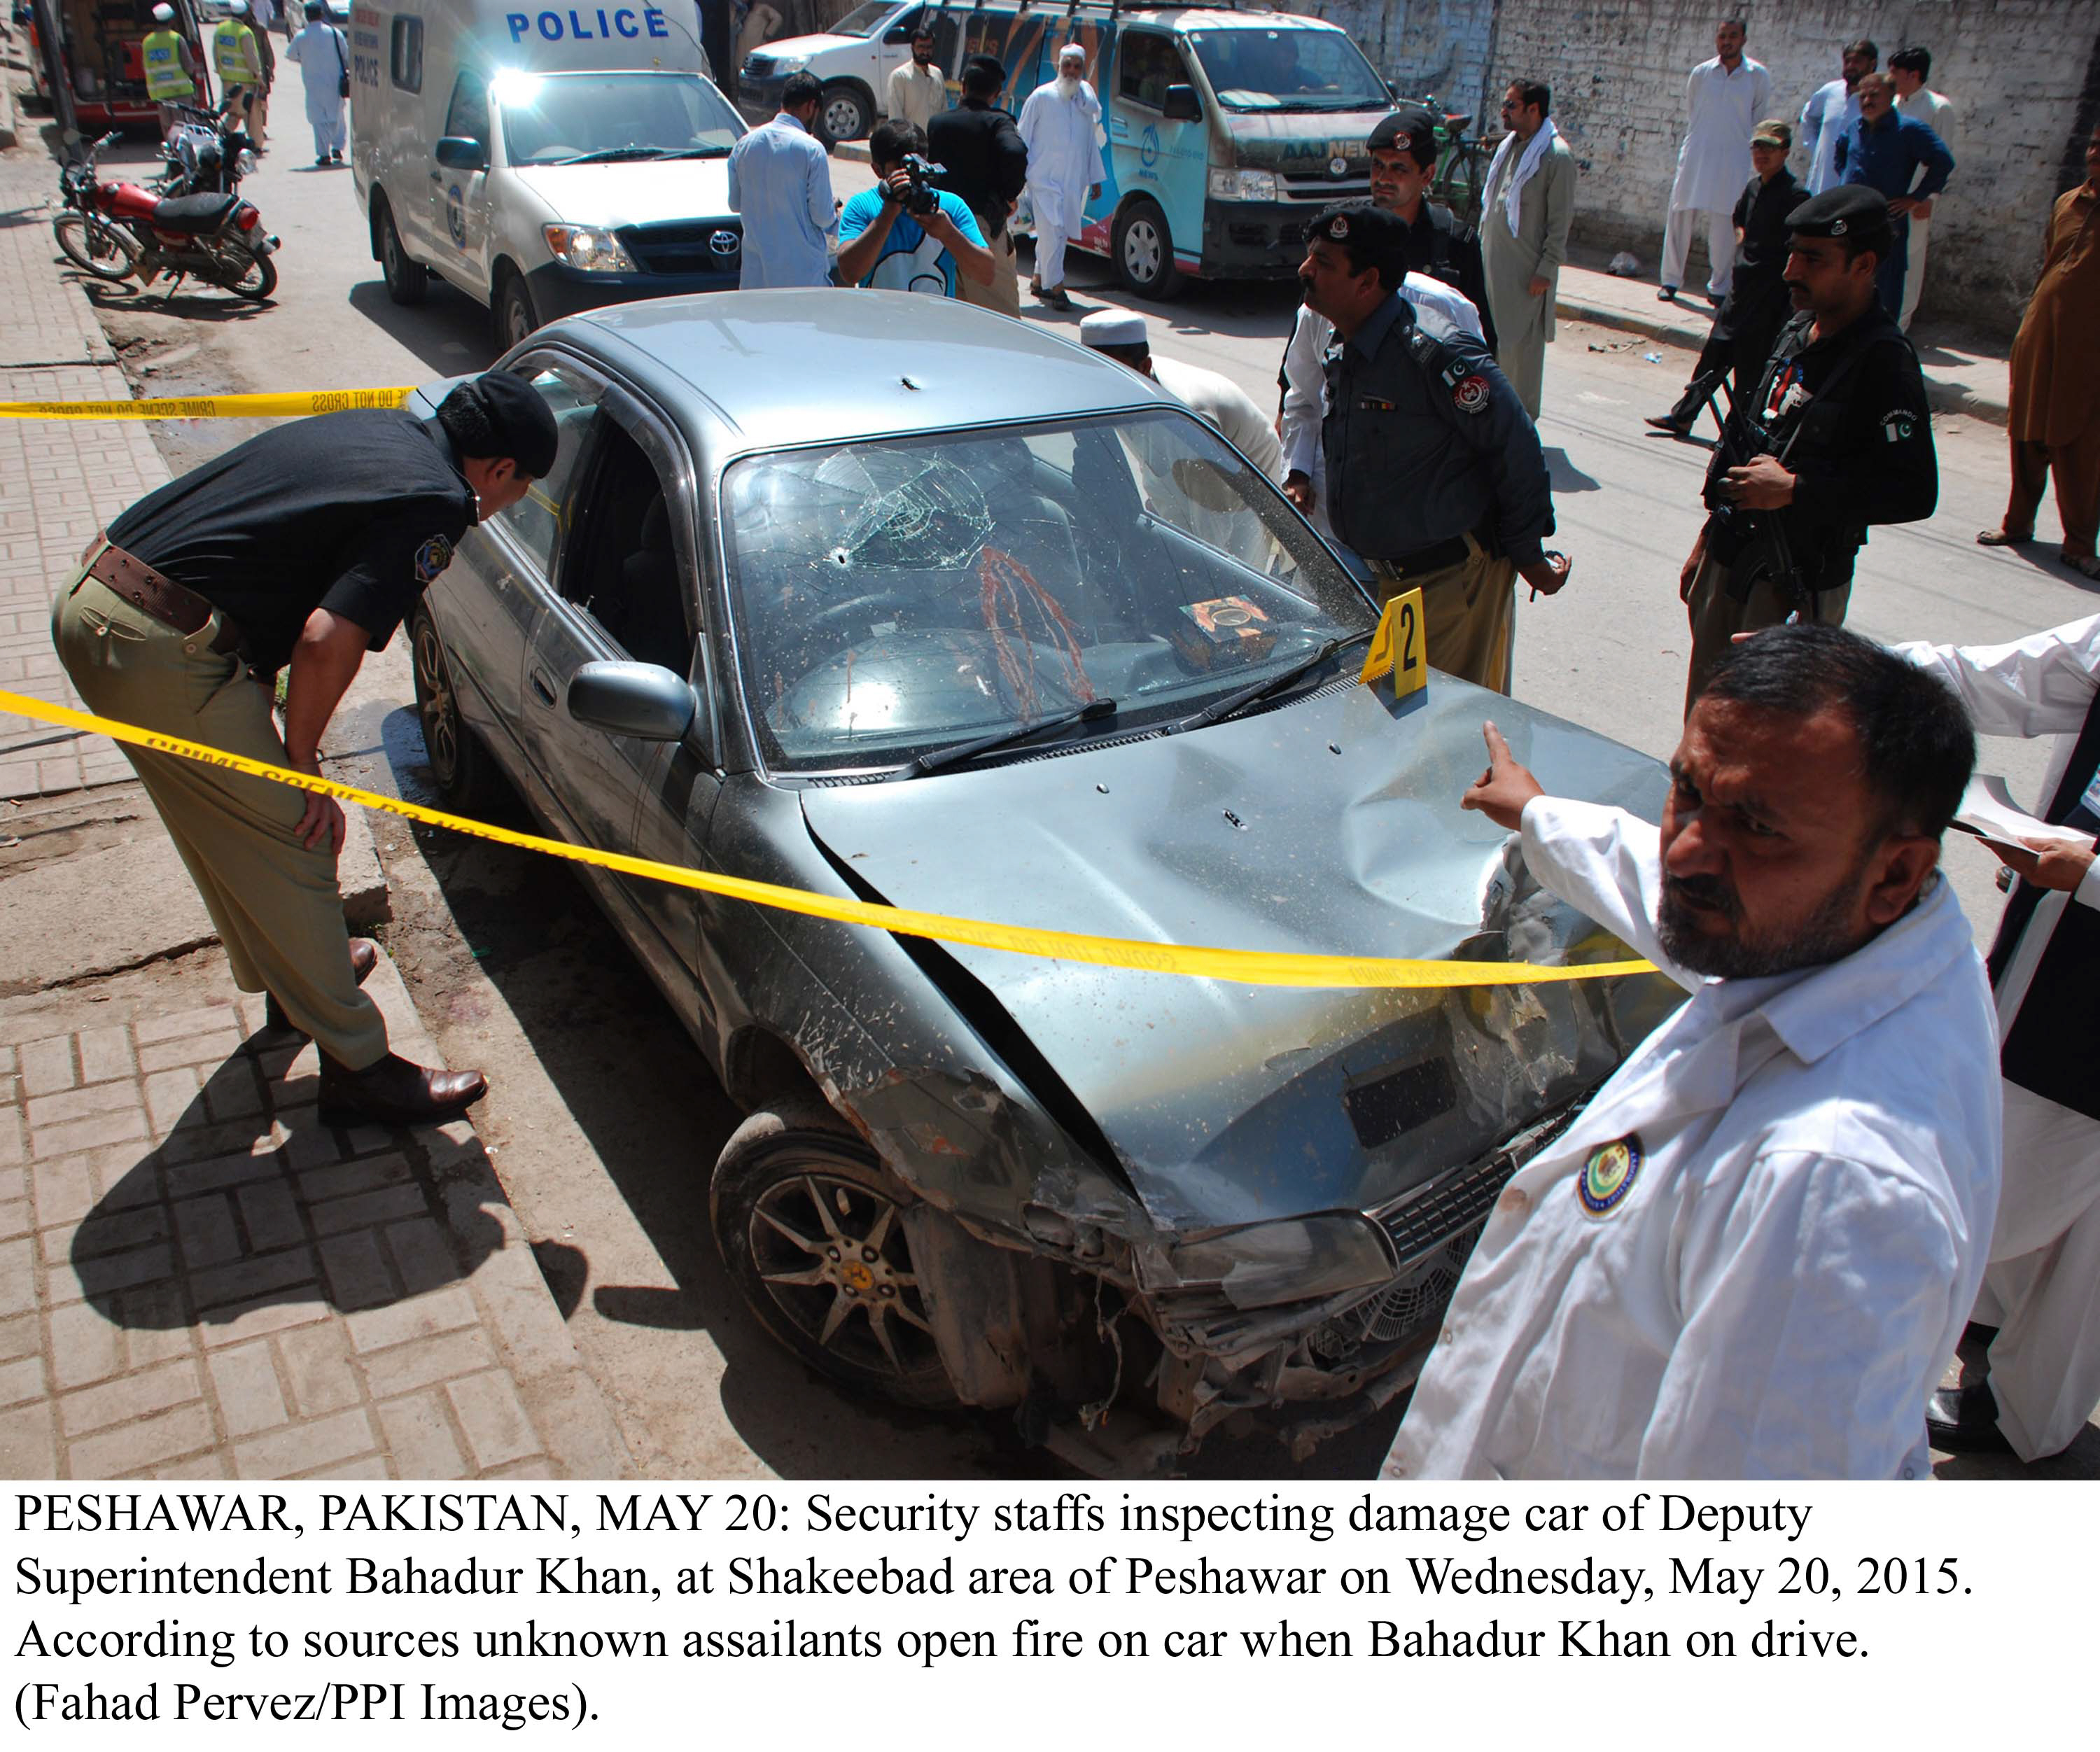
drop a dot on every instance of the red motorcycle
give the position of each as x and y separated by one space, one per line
119 231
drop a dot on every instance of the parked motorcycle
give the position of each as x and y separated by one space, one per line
120 230
208 152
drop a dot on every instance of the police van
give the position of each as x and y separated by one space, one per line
1227 127
543 161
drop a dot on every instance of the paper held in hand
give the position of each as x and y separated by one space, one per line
1988 811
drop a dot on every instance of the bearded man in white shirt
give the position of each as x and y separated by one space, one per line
1061 125
1753 1254
1724 100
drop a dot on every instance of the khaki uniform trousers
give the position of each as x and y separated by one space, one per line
1469 611
276 903
1717 617
1004 294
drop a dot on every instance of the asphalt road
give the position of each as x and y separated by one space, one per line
603 1122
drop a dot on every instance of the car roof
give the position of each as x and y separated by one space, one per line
819 364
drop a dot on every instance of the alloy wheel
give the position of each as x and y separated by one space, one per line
833 1256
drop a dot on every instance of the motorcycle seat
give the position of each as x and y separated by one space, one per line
194 213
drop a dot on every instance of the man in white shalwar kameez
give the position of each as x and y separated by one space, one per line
323 60
1724 100
1060 126
2041 1288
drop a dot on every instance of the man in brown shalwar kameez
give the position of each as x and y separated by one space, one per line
2056 380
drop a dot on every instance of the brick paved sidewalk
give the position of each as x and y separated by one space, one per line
198 1280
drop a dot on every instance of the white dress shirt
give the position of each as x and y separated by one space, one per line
1776 1291
780 181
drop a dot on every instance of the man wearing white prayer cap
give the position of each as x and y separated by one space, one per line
1060 126
1218 399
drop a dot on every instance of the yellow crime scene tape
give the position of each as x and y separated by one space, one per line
290 404
1245 967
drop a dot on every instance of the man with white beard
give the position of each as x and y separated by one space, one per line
1060 124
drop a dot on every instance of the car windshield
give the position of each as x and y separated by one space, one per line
553 120
898 596
1300 70
862 20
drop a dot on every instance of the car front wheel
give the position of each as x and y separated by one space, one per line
460 767
1143 249
810 1224
844 113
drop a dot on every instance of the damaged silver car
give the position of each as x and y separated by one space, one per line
895 600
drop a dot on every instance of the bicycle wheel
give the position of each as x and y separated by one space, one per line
98 249
1458 187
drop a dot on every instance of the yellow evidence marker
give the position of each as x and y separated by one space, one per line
1401 646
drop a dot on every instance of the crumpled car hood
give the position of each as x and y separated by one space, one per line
1331 826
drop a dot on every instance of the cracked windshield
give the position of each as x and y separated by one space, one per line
902 595
582 117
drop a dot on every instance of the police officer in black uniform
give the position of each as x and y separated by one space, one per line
1435 243
1836 437
1435 476
301 549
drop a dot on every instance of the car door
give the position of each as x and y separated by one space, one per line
1147 152
510 559
628 593
459 199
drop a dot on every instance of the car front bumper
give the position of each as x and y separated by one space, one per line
1255 240
559 290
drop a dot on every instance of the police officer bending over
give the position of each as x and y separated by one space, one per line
1434 473
304 547
1836 437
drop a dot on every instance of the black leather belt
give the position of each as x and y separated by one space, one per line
1434 558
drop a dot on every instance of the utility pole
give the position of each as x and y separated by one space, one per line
55 76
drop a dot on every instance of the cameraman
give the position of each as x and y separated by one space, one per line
1836 437
904 234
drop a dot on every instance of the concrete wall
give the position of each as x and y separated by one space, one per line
2026 73
1426 47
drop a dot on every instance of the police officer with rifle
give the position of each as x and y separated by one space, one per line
1836 438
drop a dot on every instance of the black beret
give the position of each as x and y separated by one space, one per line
523 423
1369 230
1411 129
1850 210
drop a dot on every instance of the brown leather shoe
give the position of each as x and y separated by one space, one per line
394 1091
364 957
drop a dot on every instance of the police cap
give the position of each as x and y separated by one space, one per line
1411 129
521 423
1370 234
1852 209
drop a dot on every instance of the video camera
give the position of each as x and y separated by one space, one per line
919 197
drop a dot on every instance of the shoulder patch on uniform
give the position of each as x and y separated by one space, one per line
1471 395
432 558
1608 1174
1898 424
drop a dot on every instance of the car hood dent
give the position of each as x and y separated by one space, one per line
1234 1103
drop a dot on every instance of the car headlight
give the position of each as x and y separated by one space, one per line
790 63
593 250
1299 1259
1243 185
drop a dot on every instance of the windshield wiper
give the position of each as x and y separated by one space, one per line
610 153
1000 739
1269 684
698 152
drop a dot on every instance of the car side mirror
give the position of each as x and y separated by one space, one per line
1182 104
457 152
640 700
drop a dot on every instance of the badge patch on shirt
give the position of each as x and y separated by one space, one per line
1897 425
1470 395
432 558
1608 1175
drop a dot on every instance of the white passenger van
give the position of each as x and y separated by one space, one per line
1228 126
542 162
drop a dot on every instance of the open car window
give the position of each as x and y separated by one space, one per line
894 596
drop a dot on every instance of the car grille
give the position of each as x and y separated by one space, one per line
1422 1225
1319 186
685 246
757 66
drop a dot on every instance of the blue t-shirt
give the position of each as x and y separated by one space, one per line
911 260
